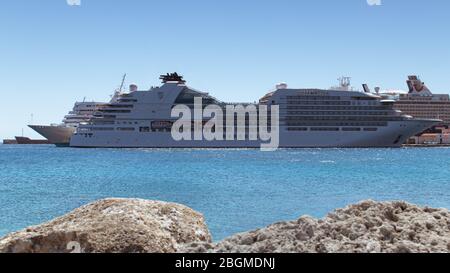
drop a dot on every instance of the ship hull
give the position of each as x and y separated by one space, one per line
10 142
28 141
393 135
58 135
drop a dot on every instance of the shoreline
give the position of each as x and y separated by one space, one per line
426 145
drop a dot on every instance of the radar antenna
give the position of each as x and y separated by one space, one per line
344 81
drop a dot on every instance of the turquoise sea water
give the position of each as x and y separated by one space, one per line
236 190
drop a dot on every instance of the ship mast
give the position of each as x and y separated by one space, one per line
123 82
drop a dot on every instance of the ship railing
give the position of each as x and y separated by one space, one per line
240 103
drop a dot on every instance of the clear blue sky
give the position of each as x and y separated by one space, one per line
52 54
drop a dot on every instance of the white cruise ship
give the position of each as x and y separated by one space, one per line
339 117
82 112
60 134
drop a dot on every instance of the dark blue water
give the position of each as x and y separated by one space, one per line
236 190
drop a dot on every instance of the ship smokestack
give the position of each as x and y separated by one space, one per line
415 85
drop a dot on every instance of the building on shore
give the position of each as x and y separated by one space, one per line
441 136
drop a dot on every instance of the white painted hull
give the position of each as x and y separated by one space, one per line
393 135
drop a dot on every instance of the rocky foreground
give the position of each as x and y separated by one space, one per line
367 227
132 225
113 225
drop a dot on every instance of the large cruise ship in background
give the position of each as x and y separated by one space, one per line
339 117
420 102
60 134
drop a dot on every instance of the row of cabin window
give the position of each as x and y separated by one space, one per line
332 129
343 118
339 124
324 113
367 108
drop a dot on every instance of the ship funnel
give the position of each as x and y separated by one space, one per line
415 85
133 87
366 88
172 77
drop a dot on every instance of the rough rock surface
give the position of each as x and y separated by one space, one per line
365 227
113 225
